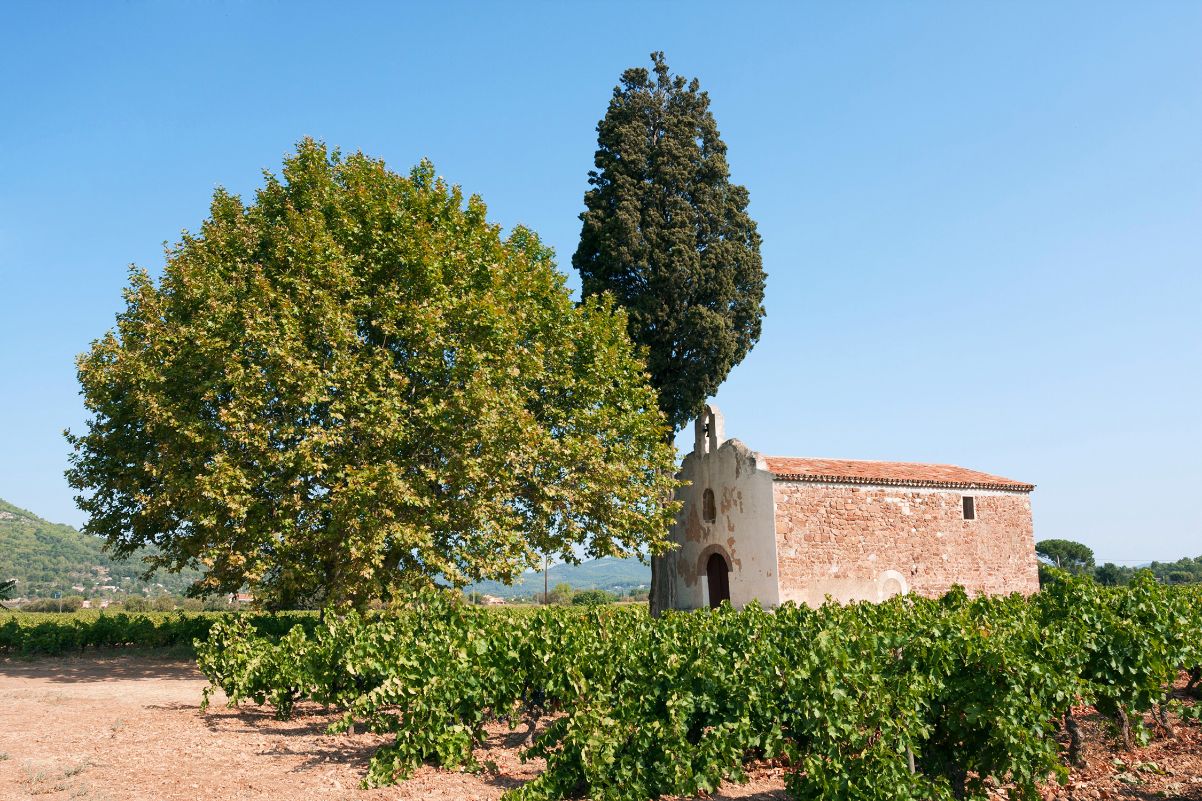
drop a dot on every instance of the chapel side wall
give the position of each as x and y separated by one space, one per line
742 530
846 541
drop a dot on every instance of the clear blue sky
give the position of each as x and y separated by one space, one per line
982 222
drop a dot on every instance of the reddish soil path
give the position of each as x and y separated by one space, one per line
128 728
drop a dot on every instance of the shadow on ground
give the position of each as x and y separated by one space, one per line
92 668
307 738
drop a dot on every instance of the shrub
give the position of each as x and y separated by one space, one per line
593 598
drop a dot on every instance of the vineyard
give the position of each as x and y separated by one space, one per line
52 634
913 698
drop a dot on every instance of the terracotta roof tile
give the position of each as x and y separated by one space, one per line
909 474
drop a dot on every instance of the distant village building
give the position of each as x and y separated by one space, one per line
776 529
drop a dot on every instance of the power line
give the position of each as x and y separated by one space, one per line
1147 560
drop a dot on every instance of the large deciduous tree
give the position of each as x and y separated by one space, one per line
356 382
667 234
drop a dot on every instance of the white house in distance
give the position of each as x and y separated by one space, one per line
777 529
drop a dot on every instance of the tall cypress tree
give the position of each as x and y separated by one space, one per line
668 234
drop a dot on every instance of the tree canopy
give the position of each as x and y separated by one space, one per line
1066 555
667 233
593 597
1183 571
355 382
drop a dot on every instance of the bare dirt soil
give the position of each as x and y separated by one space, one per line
1167 767
128 727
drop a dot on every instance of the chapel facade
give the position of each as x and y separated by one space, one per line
775 529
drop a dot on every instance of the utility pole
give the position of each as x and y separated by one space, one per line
546 600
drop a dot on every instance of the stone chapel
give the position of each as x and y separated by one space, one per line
776 528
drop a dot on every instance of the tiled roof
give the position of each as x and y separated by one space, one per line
905 474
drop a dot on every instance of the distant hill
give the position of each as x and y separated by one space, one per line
48 557
622 575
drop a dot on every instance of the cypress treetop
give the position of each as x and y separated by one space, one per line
667 233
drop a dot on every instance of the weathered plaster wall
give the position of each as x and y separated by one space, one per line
868 542
742 530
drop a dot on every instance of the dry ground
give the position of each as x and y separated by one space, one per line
127 728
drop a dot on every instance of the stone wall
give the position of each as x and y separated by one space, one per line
869 542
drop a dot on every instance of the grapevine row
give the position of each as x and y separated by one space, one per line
909 699
30 634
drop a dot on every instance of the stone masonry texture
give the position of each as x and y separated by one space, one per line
839 539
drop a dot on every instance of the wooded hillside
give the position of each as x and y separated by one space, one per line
47 557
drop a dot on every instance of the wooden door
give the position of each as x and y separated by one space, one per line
719 580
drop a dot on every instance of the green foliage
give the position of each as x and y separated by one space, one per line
1067 555
560 594
593 598
668 235
1111 575
135 603
1183 571
220 603
65 604
163 603
53 634
47 557
355 383
967 691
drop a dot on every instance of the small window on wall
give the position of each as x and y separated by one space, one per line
709 511
970 507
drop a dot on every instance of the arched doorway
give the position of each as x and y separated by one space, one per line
718 576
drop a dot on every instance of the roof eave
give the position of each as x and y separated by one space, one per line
902 482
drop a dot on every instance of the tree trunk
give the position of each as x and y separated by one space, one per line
655 602
1124 724
959 781
531 725
663 568
1074 741
661 583
1162 717
535 708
